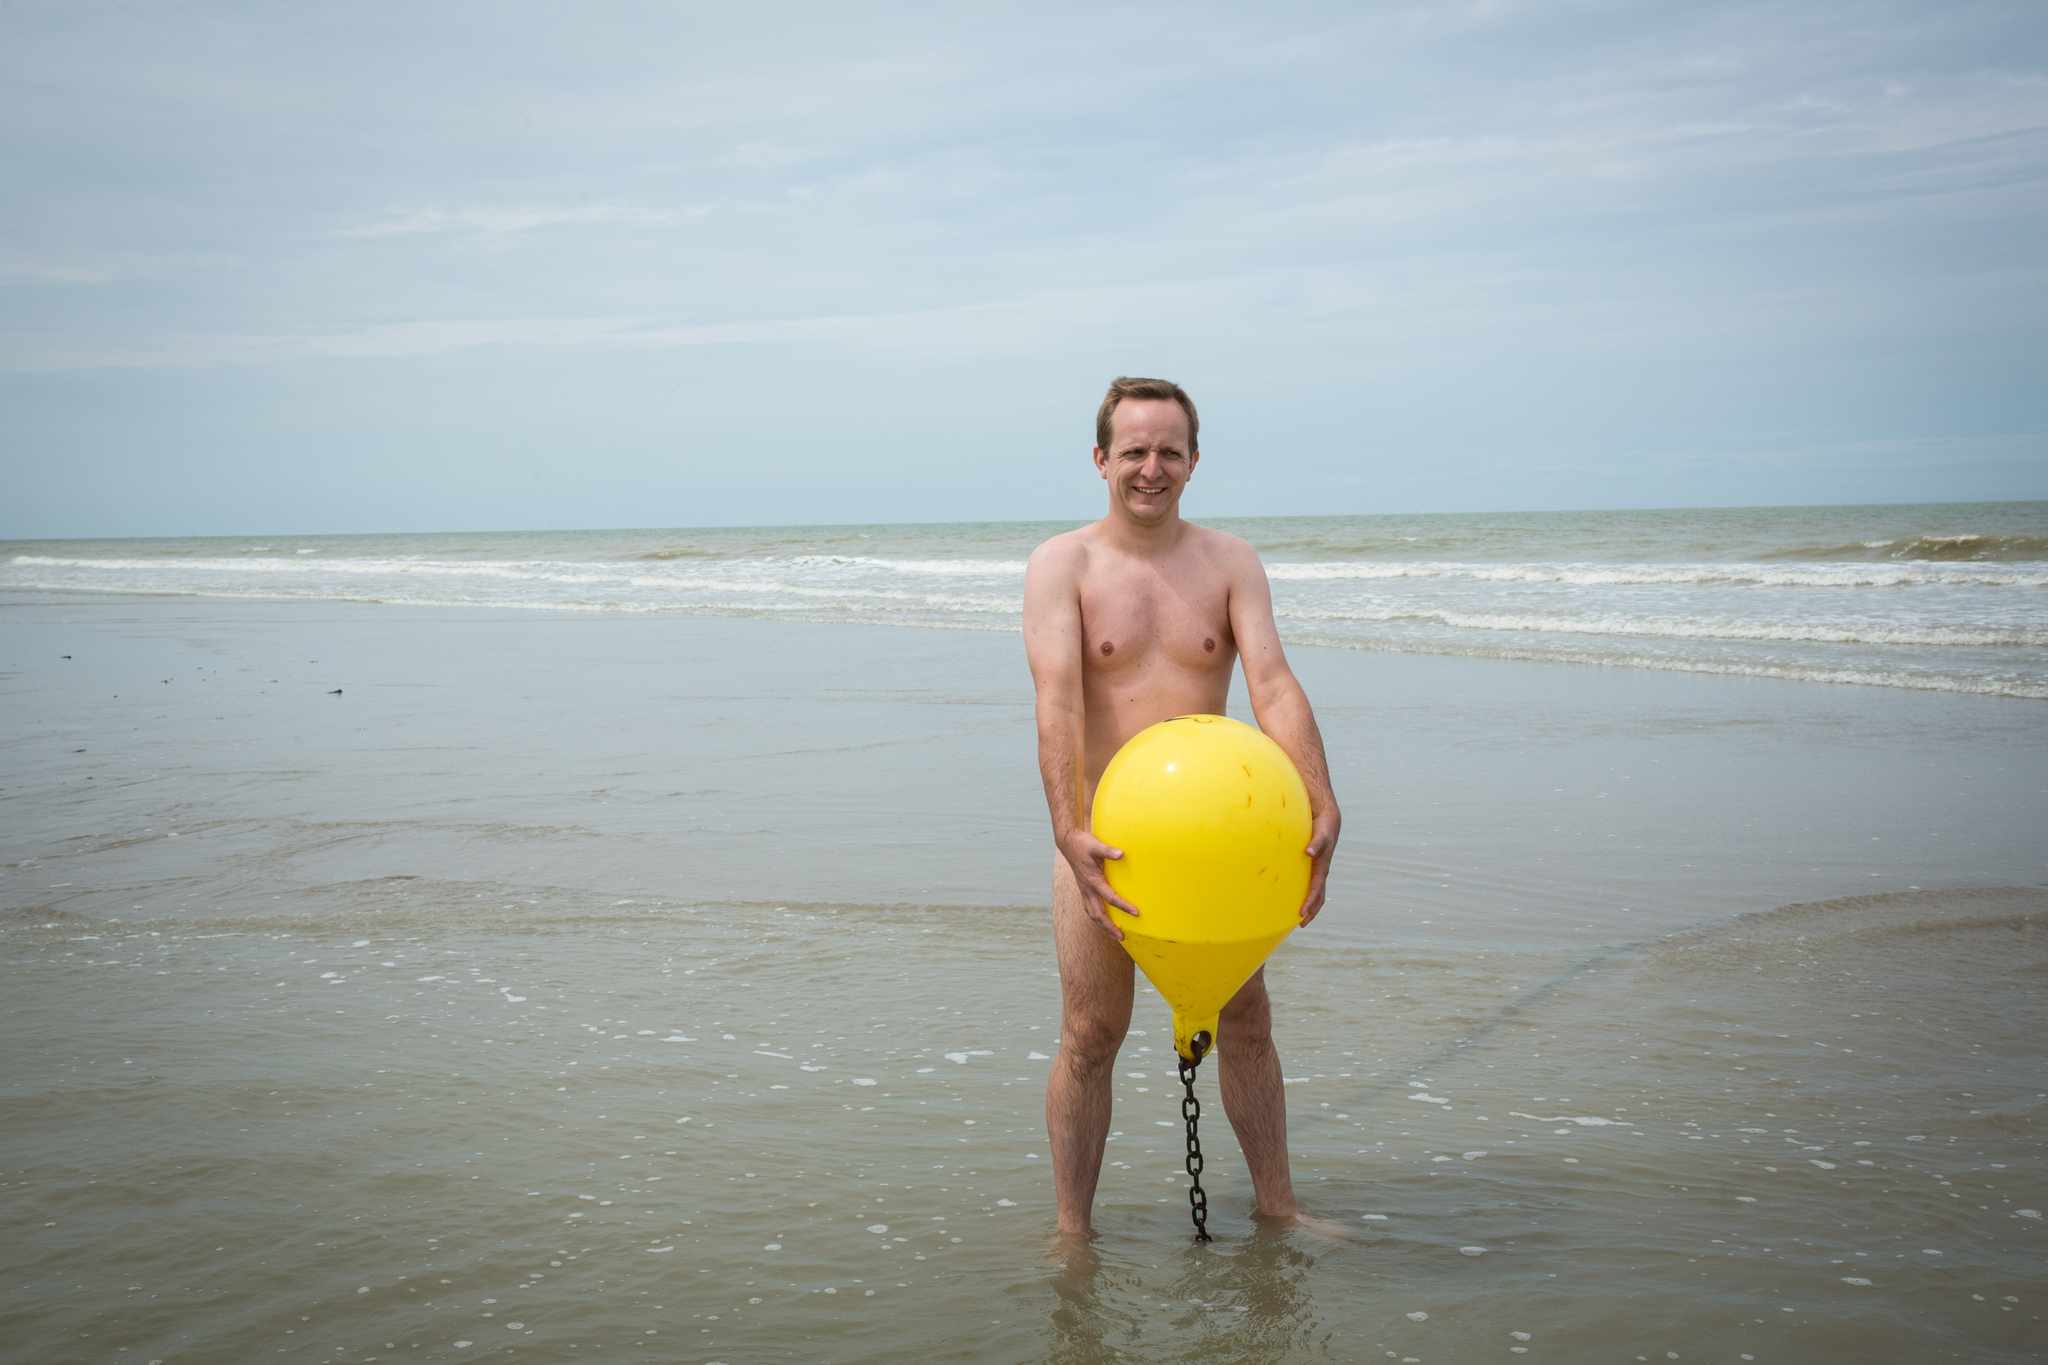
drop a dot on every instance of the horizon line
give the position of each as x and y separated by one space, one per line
1025 521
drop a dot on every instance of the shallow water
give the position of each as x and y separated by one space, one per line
495 1010
437 1121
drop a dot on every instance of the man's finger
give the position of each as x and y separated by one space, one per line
1318 883
1102 918
1107 893
1112 853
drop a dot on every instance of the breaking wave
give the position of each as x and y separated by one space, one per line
1965 548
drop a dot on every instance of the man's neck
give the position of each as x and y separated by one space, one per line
1136 538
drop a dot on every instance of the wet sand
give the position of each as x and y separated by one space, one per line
595 988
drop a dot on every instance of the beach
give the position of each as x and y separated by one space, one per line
460 983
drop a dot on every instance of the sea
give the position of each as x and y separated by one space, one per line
1947 596
632 946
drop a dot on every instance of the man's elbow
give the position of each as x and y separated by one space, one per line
1058 712
1275 690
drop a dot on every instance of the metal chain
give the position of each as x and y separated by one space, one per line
1191 1110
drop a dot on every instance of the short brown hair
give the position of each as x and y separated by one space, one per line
1124 386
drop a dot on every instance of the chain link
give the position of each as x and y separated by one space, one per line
1191 1110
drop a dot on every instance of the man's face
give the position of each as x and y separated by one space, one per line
1148 460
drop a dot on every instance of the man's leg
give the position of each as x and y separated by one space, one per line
1095 1013
1254 1097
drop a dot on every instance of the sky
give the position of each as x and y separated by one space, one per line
275 268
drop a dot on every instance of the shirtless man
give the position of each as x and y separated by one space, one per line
1131 620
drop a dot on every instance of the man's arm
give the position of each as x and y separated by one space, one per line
1283 711
1052 644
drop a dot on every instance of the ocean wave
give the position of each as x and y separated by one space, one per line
882 605
1941 549
1615 641
1734 574
1672 628
951 568
787 569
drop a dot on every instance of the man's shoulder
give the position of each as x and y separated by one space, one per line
1064 553
1223 547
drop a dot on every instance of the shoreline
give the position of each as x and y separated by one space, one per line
1295 640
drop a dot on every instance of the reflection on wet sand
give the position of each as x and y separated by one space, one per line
1242 1300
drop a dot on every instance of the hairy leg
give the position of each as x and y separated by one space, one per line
1095 1013
1254 1096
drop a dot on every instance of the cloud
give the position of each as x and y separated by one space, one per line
1432 213
54 272
498 220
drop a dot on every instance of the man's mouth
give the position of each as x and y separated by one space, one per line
1140 488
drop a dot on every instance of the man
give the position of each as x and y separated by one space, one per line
1128 621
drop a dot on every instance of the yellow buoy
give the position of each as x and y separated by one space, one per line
1213 821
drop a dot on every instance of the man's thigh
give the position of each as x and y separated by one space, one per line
1095 971
1251 1009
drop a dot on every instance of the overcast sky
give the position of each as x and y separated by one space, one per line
499 265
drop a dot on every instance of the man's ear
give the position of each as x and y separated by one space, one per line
1194 458
1101 457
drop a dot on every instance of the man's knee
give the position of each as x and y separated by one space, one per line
1247 1022
1090 1040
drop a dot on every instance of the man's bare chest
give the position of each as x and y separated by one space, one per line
1129 626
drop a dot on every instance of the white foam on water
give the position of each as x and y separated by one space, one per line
1896 622
1856 1280
1635 626
2034 1214
1471 1251
1428 1098
1735 573
1586 1121
1418 1316
862 1080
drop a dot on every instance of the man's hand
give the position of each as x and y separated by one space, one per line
1322 844
1085 854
